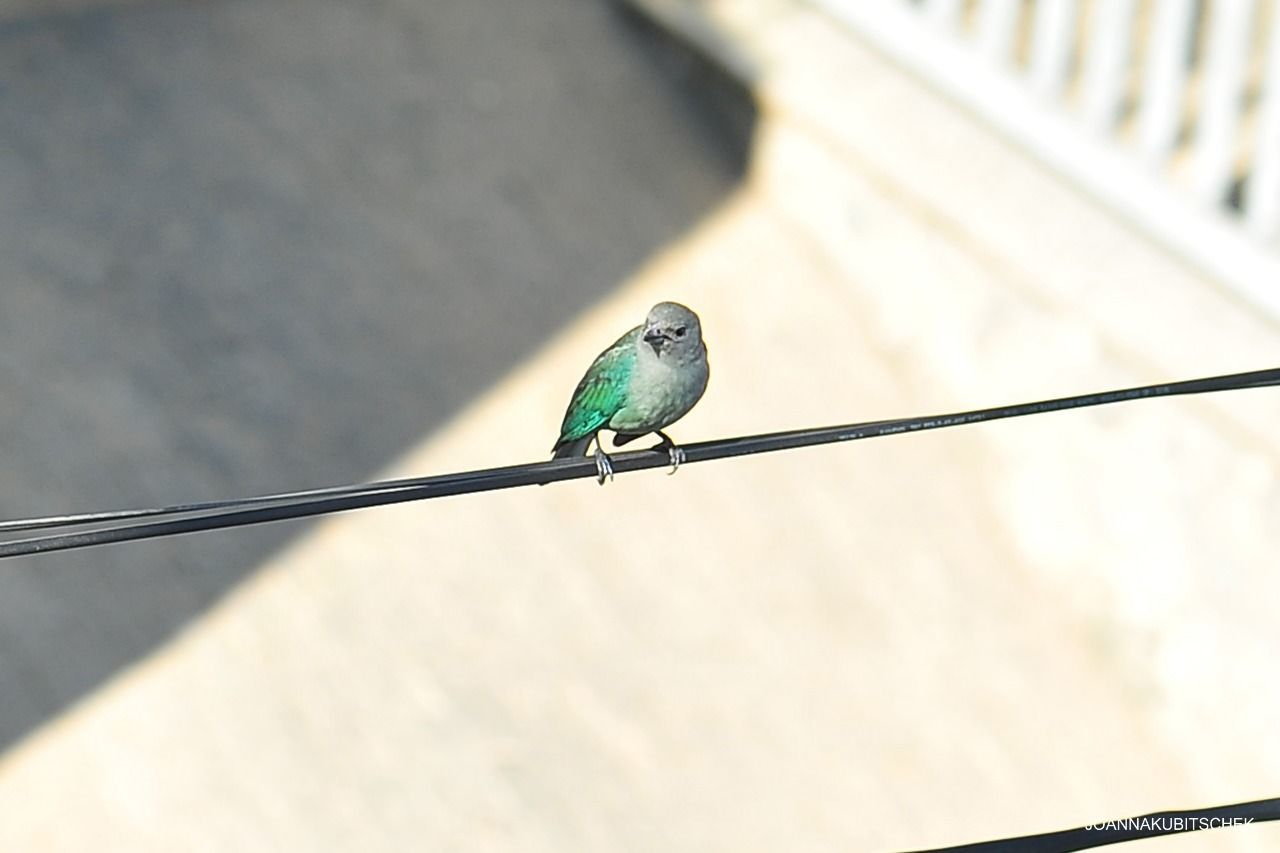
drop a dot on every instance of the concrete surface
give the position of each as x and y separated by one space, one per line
22 10
903 643
252 246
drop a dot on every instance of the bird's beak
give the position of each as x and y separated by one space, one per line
654 338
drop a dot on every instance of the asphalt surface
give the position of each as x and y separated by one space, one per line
259 246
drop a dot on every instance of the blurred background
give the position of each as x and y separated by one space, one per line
249 247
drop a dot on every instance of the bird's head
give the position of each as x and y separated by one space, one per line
673 330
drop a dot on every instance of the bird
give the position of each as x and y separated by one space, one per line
649 379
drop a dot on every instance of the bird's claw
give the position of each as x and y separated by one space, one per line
604 466
677 456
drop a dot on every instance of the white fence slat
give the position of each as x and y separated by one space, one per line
1262 202
1053 36
997 24
1207 236
1165 79
944 14
1106 63
1225 67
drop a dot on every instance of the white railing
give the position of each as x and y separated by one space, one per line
1168 110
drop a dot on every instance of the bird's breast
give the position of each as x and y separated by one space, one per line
660 393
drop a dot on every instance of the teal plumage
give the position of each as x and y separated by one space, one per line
600 395
648 379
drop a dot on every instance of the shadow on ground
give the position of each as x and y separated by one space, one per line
248 246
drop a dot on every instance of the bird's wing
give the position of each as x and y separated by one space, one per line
602 391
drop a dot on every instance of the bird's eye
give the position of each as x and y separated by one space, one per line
680 332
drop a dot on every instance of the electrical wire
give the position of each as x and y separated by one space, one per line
213 515
1128 829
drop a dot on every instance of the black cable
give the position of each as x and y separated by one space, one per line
1243 380
45 522
258 510
1129 829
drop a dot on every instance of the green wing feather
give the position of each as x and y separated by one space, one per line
602 392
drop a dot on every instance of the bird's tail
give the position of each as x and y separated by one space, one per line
566 449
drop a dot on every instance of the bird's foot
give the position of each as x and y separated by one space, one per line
677 457
604 466
674 453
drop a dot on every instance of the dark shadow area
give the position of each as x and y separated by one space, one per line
253 245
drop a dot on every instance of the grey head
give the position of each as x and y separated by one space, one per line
673 331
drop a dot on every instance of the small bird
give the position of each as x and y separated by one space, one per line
649 379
